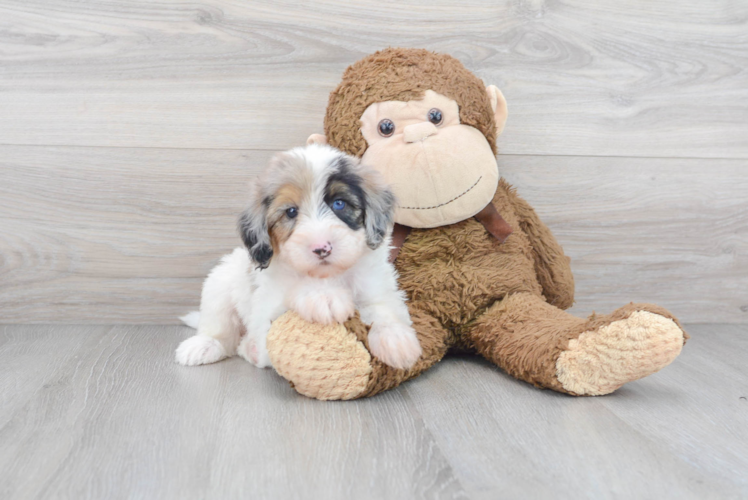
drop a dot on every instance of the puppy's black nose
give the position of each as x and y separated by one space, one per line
323 251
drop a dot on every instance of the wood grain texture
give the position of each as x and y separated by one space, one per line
680 433
112 416
122 420
115 235
640 78
100 235
672 232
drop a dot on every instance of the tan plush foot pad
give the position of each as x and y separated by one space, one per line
321 361
600 361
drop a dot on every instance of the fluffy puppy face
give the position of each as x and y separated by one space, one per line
317 210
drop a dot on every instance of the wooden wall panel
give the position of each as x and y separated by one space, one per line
670 231
609 78
97 235
100 235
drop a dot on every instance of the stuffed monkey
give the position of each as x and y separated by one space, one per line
480 270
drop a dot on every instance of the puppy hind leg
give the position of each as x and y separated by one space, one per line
254 349
199 350
217 337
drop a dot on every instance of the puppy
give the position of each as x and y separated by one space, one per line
317 235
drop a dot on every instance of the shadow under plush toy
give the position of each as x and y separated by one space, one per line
480 270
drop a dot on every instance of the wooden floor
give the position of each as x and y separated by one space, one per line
104 412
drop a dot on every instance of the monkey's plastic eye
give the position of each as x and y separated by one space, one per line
292 212
435 116
338 205
386 128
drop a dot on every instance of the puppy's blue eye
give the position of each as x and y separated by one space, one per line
338 205
292 212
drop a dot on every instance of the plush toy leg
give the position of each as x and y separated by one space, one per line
333 361
541 344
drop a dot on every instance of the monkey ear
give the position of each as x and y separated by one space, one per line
316 139
498 105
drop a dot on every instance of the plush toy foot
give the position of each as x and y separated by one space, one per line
539 343
601 360
321 361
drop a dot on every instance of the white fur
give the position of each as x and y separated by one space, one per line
191 319
239 302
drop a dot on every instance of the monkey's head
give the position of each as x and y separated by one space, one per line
427 124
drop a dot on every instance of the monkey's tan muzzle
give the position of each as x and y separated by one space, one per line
419 131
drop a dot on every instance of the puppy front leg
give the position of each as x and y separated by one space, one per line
392 339
323 302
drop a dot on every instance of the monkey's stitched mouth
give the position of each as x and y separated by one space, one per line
446 202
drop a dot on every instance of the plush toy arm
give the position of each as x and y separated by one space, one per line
333 361
551 265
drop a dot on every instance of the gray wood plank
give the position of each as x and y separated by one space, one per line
639 78
98 235
30 356
122 420
732 340
705 421
113 417
680 433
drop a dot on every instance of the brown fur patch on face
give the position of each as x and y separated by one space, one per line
403 75
285 184
280 225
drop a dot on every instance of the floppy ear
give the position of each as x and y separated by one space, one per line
253 228
379 212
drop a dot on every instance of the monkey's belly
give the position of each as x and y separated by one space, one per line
455 272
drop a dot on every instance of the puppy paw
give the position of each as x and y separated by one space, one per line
326 307
395 344
199 350
255 352
341 307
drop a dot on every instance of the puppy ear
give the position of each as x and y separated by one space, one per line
253 229
379 212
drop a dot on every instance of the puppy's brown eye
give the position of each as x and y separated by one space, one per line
386 127
292 212
435 116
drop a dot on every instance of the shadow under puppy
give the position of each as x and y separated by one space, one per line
317 235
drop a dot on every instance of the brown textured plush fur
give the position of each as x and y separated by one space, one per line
503 301
403 75
467 290
457 277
